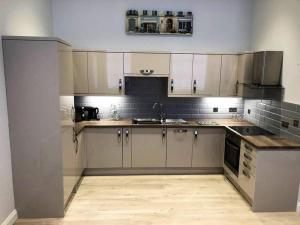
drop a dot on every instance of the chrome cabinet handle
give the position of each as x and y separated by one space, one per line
163 134
119 135
172 85
246 165
246 174
127 134
248 147
247 157
147 72
196 134
236 87
180 131
120 84
195 86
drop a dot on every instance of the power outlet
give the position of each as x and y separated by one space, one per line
215 109
232 110
296 123
285 124
249 111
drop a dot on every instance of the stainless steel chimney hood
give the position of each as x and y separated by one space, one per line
259 74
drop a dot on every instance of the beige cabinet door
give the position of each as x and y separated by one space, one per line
181 74
149 147
208 147
127 134
105 73
180 147
228 86
66 70
206 75
80 72
104 147
145 64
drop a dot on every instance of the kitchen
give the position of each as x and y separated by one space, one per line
113 127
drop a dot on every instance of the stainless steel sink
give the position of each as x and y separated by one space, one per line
175 121
146 121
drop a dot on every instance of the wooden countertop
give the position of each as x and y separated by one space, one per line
259 142
271 142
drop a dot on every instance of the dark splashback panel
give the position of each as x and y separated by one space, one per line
142 93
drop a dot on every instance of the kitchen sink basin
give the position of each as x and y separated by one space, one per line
157 121
175 121
146 121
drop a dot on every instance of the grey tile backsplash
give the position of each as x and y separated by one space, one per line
280 118
142 93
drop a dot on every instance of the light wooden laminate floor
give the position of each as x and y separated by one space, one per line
162 200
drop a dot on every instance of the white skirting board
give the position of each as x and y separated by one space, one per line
11 219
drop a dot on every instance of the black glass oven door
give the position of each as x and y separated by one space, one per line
232 156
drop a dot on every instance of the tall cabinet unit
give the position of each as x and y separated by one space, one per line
39 74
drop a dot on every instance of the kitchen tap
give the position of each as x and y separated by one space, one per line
161 114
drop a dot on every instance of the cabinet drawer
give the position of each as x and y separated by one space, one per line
246 147
248 165
248 156
143 64
246 181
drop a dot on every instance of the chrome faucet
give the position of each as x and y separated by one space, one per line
161 114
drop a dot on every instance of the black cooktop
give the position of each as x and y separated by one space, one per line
250 130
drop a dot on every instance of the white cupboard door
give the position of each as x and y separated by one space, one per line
181 74
179 147
80 72
149 147
147 64
208 147
206 75
104 147
229 85
105 73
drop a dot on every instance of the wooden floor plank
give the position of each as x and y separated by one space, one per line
162 200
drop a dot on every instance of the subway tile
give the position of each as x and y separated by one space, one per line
289 106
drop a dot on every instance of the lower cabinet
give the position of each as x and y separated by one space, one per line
180 147
104 147
149 147
208 147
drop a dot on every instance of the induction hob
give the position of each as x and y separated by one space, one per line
250 130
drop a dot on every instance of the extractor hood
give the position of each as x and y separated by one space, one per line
259 74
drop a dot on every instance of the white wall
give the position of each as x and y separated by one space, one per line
100 24
276 26
17 17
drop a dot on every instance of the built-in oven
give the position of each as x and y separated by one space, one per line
232 152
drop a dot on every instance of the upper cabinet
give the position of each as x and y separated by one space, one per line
206 75
98 73
181 75
146 64
189 74
105 73
80 72
229 85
